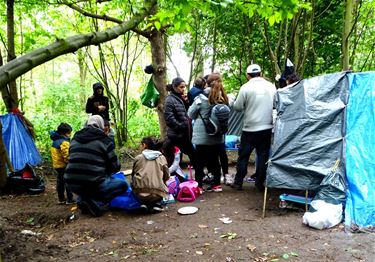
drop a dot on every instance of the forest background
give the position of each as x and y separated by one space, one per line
51 52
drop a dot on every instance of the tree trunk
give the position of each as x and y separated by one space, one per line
82 77
214 46
158 61
348 25
25 63
10 95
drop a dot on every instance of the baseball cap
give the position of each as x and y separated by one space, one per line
253 69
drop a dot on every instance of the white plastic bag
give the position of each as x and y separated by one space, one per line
326 215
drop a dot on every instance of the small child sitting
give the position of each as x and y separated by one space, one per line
150 172
60 157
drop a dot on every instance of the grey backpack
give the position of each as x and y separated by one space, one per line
217 122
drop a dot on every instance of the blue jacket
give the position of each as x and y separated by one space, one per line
193 93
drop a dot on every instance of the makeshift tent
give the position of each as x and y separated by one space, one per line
18 142
313 126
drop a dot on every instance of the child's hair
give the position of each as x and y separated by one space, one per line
64 128
106 123
152 143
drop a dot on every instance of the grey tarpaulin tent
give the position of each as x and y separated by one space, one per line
307 151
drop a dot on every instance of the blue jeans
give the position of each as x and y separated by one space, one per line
104 192
261 141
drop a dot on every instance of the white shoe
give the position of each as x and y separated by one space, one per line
229 179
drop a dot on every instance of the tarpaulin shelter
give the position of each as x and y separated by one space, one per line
18 142
324 141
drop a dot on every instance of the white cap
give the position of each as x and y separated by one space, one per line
253 69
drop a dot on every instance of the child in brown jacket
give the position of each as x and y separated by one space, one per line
150 172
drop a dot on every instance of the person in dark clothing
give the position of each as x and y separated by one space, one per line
91 163
199 85
97 104
178 123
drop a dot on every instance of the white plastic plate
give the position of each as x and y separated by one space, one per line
187 210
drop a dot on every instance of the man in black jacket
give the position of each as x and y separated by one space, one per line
97 104
92 161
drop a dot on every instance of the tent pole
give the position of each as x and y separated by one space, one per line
306 196
264 202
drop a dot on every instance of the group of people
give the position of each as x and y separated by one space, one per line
84 165
255 99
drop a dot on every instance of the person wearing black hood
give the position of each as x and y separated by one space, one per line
97 104
179 129
92 161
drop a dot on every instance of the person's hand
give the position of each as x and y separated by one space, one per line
184 97
101 108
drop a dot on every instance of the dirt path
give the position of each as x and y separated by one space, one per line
167 236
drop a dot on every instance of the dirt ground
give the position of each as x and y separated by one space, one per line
168 236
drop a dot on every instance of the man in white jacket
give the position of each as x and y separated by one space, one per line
256 100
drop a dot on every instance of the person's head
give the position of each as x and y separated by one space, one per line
151 143
107 126
292 78
64 129
200 82
178 85
253 70
95 121
98 88
217 93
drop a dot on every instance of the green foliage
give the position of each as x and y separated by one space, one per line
142 122
58 104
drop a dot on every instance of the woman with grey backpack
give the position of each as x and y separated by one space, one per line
208 145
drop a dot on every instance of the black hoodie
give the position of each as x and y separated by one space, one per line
92 158
96 100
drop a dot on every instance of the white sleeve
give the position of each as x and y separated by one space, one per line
176 163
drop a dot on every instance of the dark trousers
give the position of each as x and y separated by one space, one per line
207 156
61 186
261 141
223 159
104 192
186 147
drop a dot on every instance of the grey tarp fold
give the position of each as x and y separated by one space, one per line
309 131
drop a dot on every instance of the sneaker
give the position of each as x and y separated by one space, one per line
61 202
214 189
229 179
200 190
89 206
207 179
70 202
236 186
157 207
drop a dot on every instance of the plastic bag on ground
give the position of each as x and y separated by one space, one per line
326 215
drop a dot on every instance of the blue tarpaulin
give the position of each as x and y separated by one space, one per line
360 151
18 142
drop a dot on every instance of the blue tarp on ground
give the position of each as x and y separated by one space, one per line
360 151
18 142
